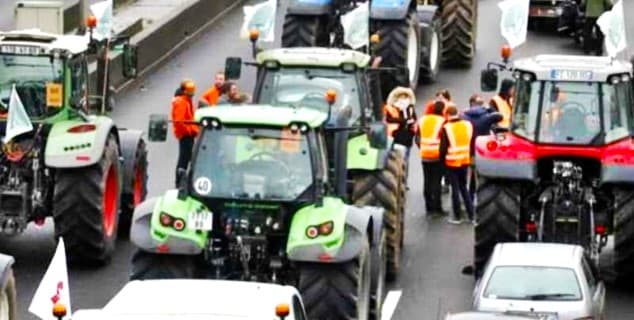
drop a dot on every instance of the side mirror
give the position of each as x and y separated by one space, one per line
157 131
378 135
489 80
233 68
130 61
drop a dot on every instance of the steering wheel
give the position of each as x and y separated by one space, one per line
314 100
571 122
265 155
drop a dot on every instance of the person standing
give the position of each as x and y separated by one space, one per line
233 95
593 10
184 130
428 141
455 139
502 102
211 97
482 119
401 117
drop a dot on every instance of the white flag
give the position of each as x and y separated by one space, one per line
18 121
260 17
514 21
103 12
612 24
356 26
53 287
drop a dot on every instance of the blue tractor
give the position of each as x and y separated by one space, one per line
415 35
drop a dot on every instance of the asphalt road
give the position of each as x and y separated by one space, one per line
434 251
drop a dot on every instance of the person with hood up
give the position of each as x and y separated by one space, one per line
184 131
503 102
400 117
482 119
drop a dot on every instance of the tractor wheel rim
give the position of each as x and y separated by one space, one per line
138 186
412 52
4 306
109 206
433 52
363 306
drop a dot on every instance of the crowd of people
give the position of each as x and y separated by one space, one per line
446 141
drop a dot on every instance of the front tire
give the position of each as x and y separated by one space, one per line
8 299
400 47
498 214
305 31
86 207
334 291
624 234
149 266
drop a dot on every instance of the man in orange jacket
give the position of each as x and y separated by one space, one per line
185 130
212 96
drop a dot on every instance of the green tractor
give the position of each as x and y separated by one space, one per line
260 203
418 35
75 165
373 176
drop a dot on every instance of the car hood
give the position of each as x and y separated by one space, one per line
564 310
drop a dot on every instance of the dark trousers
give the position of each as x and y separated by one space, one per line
432 174
185 146
458 180
473 178
589 43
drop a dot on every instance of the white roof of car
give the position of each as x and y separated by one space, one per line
47 41
597 68
194 299
536 254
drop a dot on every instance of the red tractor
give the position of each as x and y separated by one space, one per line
564 170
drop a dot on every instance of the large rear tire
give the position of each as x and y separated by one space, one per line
379 264
382 188
139 190
148 266
86 207
498 214
459 28
624 234
8 299
334 291
305 31
400 47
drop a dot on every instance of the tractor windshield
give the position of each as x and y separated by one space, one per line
252 163
577 113
37 79
307 87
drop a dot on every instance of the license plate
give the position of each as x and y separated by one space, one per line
201 221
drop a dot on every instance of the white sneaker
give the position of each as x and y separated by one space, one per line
454 221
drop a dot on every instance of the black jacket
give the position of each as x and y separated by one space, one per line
404 135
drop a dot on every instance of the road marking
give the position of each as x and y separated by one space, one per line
389 304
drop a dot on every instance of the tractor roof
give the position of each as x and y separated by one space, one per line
573 68
46 41
318 57
262 115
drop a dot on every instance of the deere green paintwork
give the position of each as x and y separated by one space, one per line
170 203
333 209
262 115
361 155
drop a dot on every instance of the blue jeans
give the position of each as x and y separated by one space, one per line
458 180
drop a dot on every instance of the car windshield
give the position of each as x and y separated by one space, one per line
307 87
32 76
577 113
252 163
533 283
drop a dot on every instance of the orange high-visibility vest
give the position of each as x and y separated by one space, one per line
429 129
394 113
505 110
459 134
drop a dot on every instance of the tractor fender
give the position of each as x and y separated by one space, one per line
129 144
66 149
148 235
361 156
6 262
309 7
512 159
344 243
390 9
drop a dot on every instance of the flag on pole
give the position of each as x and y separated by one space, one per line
103 12
514 21
53 287
356 26
260 17
18 121
612 24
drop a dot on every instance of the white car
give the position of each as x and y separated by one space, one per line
198 300
554 280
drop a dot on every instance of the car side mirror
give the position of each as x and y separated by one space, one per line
489 80
233 68
130 61
157 131
377 135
